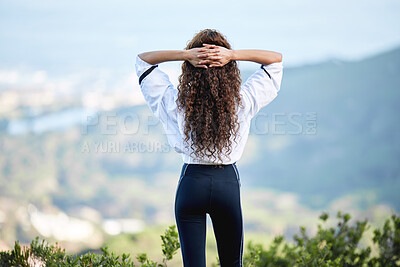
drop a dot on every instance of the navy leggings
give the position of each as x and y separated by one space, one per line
209 189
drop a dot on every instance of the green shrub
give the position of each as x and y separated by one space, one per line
388 242
330 246
43 254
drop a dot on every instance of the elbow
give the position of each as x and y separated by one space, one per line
142 56
146 56
279 57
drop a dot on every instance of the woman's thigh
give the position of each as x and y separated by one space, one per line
191 203
226 216
201 190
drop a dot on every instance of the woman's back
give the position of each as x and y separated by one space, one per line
207 117
207 120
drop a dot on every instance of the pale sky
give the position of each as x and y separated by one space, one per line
58 35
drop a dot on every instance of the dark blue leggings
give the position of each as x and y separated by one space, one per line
209 189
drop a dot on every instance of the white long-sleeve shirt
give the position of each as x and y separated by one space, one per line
258 91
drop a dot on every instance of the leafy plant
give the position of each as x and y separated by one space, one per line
40 254
329 247
388 242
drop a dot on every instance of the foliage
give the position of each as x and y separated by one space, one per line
333 246
43 254
388 241
170 243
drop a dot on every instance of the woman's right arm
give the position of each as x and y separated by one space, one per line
260 88
263 57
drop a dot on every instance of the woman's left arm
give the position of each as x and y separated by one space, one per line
194 56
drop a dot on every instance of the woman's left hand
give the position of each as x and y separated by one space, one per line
215 56
196 55
209 56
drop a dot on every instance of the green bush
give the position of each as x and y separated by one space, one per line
43 254
330 246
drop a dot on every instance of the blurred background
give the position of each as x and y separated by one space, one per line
83 162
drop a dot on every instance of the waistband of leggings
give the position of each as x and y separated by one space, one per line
209 165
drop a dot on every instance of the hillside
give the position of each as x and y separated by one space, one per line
328 141
356 146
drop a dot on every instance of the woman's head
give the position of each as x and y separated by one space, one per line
209 99
208 36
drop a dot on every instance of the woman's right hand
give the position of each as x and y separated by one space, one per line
216 56
196 55
210 55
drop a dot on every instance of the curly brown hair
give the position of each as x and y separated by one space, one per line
209 99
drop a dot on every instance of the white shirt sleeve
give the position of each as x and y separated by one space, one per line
158 91
160 96
261 88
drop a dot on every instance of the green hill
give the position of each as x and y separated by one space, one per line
356 146
330 139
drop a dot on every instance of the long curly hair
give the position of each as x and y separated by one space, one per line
209 99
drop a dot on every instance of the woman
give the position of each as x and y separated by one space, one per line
207 120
